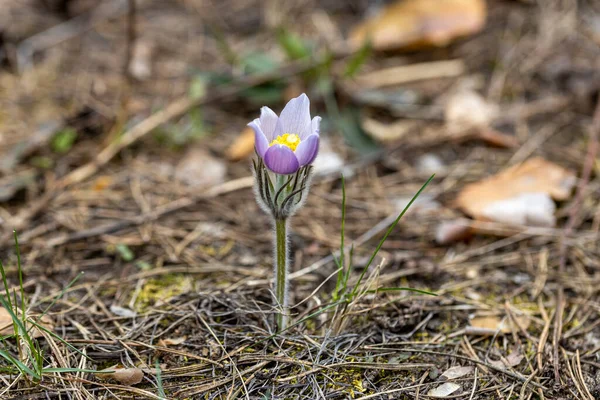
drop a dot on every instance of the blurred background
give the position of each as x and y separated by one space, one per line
125 154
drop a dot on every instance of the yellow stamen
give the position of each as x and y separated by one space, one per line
290 140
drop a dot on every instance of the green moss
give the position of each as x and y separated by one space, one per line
161 289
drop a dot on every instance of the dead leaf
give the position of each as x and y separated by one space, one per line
172 341
242 146
328 161
452 231
6 324
199 169
511 361
457 372
467 109
125 376
519 195
444 390
388 132
45 321
468 115
420 23
122 311
490 324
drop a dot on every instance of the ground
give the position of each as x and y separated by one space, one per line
105 173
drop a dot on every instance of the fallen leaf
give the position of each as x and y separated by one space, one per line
45 321
512 360
6 324
467 109
457 372
388 132
172 341
420 23
468 115
519 195
489 325
242 146
452 231
328 161
199 169
122 312
535 209
444 390
125 376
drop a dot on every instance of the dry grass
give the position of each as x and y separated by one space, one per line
199 274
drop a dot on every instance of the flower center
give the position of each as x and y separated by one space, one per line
290 140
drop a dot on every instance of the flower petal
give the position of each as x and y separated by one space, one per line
281 160
307 150
261 144
296 115
268 122
311 129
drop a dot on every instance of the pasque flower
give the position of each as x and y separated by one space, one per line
290 141
286 146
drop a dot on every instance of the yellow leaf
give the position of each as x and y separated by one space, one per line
420 23
242 146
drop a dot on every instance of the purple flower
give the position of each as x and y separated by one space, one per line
290 141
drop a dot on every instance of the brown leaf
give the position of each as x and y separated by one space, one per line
467 109
388 132
125 376
519 195
512 360
452 231
6 324
444 390
171 341
489 325
242 146
457 372
420 23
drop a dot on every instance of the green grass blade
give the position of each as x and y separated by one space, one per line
5 281
340 285
358 60
391 228
20 270
159 382
350 258
19 365
17 321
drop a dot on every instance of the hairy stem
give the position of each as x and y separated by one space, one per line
281 261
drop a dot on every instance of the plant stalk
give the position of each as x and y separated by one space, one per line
281 271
